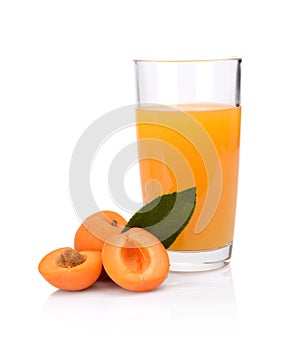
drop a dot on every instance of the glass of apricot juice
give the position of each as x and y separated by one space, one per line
188 134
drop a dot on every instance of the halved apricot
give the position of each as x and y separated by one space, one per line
96 229
68 269
135 260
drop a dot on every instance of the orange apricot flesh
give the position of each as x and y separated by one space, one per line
135 260
95 229
67 269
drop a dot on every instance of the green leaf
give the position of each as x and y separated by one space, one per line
166 216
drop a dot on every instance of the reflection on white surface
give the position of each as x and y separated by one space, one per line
185 300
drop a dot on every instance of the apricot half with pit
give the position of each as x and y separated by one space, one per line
68 269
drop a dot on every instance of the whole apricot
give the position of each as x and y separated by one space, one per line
95 229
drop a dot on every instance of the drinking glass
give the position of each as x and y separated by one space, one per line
188 119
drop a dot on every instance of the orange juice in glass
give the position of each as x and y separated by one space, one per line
188 130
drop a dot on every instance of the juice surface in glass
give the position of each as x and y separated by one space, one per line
206 136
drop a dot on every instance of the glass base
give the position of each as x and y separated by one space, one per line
205 260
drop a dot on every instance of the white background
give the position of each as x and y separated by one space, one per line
65 63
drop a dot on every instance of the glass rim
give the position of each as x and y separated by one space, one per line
149 60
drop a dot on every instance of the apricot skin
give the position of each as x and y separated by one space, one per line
73 278
96 228
135 260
